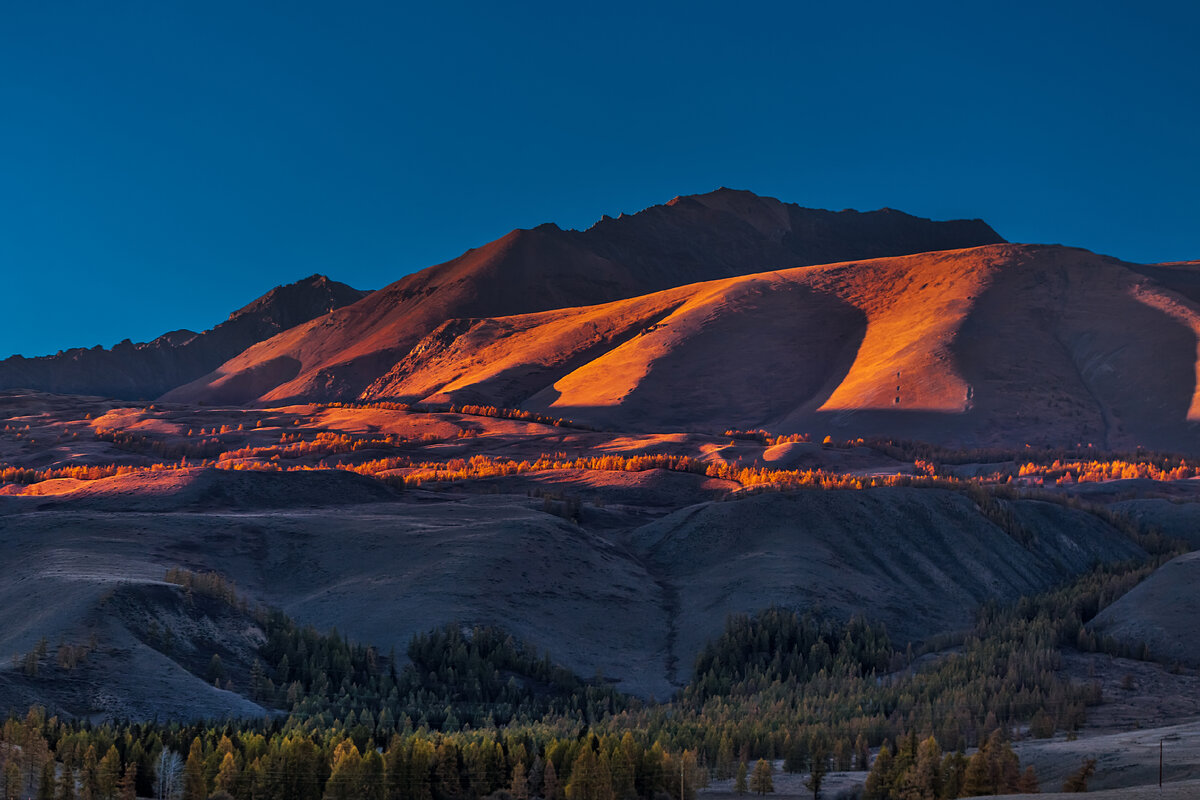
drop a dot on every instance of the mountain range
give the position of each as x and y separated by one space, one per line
718 310
607 444
146 370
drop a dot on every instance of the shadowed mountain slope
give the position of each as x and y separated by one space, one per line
702 237
997 345
635 604
920 560
147 369
1160 612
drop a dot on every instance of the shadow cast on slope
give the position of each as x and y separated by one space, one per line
757 359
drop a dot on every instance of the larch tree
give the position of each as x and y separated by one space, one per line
1029 782
345 776
518 787
89 775
109 773
127 786
550 782
195 787
12 780
227 775
66 783
876 787
739 784
762 781
47 784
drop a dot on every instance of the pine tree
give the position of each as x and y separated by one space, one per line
862 753
12 780
739 786
725 757
880 777
89 776
818 769
1029 782
66 783
109 773
762 781
623 770
370 782
446 774
519 788
227 775
927 772
550 782
216 670
345 777
195 787
954 768
591 778
47 785
976 779
127 787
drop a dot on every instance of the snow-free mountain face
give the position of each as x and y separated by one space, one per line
703 237
1002 345
721 310
147 369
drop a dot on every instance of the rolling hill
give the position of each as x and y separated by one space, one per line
631 598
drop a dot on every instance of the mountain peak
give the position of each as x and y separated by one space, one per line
719 234
285 304
148 369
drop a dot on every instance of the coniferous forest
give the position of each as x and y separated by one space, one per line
470 713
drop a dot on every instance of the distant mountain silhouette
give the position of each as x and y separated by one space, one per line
146 370
721 234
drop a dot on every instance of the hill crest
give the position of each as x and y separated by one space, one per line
698 237
145 370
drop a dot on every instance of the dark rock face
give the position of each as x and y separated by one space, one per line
729 232
690 239
148 369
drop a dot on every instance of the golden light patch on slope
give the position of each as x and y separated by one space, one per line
607 380
558 333
54 486
734 344
915 307
382 421
505 359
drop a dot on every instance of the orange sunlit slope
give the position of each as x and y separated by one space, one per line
700 237
1005 343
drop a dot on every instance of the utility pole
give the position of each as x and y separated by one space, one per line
1160 763
681 776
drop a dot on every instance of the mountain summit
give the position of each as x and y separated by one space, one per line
721 234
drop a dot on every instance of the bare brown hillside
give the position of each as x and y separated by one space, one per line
1004 344
716 235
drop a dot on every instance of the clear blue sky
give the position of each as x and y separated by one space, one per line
162 163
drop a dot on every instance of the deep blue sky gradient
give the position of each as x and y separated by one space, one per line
163 163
